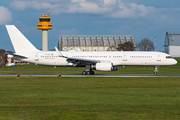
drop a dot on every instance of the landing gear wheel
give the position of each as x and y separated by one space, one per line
88 73
84 72
155 73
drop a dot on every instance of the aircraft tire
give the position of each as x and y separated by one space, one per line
155 73
84 73
88 73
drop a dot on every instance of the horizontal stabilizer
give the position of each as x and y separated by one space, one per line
18 56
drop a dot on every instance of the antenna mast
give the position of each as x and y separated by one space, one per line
48 12
155 43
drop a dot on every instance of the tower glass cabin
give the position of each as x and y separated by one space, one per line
44 23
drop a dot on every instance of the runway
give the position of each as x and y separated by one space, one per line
34 75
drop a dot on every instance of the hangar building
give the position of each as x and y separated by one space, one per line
172 44
93 42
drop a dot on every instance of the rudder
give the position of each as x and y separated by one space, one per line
20 43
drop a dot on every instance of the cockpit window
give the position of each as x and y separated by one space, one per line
168 57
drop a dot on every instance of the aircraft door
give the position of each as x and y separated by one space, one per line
36 57
124 57
159 58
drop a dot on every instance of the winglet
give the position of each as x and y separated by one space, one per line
59 53
78 49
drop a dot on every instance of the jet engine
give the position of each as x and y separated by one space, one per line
104 66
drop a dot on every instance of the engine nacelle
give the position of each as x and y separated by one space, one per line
104 66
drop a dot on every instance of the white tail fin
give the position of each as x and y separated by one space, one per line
20 43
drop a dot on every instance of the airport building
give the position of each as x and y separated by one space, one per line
172 44
93 42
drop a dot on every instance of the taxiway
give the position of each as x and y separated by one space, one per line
38 75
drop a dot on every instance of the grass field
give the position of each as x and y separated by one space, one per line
49 98
67 98
39 69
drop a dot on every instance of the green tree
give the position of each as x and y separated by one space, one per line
3 58
127 46
145 45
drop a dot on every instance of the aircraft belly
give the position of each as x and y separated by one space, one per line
139 62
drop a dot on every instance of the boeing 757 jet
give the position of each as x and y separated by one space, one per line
92 60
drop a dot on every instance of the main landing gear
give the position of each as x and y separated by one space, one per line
156 70
88 70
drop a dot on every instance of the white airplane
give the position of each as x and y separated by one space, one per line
92 60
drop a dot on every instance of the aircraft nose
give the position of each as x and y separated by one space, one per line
174 62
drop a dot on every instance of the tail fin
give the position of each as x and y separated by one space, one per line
20 43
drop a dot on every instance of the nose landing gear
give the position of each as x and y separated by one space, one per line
156 70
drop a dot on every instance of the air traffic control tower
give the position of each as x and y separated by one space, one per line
45 25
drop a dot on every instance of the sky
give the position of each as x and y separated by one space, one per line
139 18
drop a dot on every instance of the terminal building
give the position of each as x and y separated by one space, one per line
172 44
93 42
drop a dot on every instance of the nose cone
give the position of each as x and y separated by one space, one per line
174 62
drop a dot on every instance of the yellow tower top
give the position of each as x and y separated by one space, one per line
44 23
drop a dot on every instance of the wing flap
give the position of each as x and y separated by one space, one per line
80 61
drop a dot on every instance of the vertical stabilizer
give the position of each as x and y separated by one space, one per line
20 43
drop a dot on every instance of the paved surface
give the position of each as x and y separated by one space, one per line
33 75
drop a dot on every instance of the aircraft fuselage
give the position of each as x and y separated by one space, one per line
118 58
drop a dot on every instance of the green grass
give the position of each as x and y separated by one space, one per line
51 98
67 98
39 69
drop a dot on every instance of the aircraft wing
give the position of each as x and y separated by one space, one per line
77 61
80 61
16 56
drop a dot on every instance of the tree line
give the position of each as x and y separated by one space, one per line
144 45
3 58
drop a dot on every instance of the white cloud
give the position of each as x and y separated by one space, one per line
132 10
36 5
5 16
107 8
84 6
110 2
112 8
